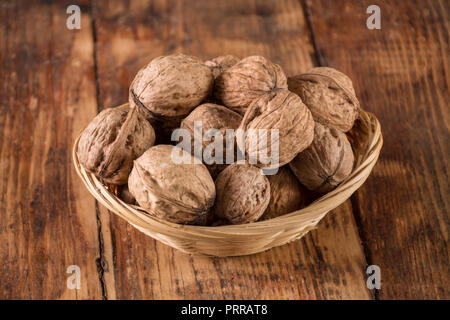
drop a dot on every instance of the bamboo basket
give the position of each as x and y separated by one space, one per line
245 239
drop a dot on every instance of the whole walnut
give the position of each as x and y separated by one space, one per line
169 87
221 63
247 80
326 163
279 110
213 116
243 193
111 141
330 96
286 194
177 192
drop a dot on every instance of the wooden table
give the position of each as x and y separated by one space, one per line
55 80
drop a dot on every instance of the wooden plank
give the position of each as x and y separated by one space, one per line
328 263
401 73
47 93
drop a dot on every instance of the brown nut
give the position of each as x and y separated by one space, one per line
286 194
243 193
221 63
326 163
330 96
169 87
212 117
179 193
247 80
111 141
279 110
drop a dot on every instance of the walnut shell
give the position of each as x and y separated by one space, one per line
212 116
286 194
169 87
221 63
243 193
247 80
330 96
327 162
111 141
179 193
281 110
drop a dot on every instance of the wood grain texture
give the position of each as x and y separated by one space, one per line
327 263
401 73
47 93
54 80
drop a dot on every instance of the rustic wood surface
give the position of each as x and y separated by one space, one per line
54 80
401 74
47 218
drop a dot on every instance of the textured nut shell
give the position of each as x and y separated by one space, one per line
111 141
286 194
221 63
212 116
326 163
169 87
243 193
250 78
330 96
285 111
179 193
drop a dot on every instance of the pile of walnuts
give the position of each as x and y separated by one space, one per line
131 148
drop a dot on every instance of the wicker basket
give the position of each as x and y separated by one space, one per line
237 240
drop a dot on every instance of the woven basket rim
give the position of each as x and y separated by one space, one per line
306 217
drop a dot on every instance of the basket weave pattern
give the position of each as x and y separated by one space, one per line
245 239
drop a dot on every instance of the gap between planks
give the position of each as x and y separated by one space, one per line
100 261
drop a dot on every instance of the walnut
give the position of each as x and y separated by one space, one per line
221 63
247 80
330 96
243 193
326 163
212 116
286 194
169 87
111 141
281 110
179 193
